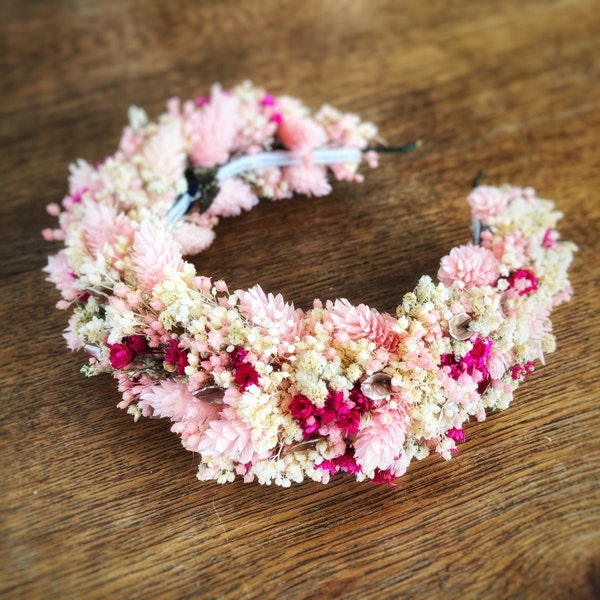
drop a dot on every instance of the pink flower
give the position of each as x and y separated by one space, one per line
61 275
378 444
362 322
191 238
272 314
487 201
233 197
171 399
102 225
337 412
164 152
550 237
309 180
469 266
211 128
301 134
81 177
154 251
524 281
228 436
131 141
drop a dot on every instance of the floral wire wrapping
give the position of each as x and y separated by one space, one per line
255 386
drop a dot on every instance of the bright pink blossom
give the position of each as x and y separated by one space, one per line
458 435
520 371
473 363
386 476
244 373
469 266
121 355
524 281
175 356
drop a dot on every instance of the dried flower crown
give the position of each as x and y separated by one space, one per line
260 388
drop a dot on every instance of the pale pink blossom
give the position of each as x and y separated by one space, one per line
171 399
131 141
309 179
228 436
380 442
498 363
191 238
211 129
154 250
234 196
164 152
301 134
510 247
74 342
358 322
102 225
469 266
81 177
271 313
61 275
563 296
487 201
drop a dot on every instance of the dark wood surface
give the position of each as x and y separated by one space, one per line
95 506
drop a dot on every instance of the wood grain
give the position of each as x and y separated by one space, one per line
93 506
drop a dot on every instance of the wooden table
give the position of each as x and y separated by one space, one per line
94 506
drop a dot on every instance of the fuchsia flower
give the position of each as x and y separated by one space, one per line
339 411
346 462
524 281
123 354
520 371
244 373
458 435
474 363
385 476
175 356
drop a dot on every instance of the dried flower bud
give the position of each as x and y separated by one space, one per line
377 387
459 326
211 394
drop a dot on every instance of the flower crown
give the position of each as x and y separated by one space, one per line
255 386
